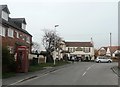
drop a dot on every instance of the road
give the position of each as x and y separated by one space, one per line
81 73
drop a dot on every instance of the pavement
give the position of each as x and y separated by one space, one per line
20 77
116 70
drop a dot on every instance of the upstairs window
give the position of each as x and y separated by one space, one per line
23 26
28 39
17 34
87 50
71 49
2 31
74 49
23 38
10 33
5 15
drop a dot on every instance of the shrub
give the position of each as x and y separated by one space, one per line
8 61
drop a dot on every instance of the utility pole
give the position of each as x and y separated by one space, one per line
110 39
110 43
92 48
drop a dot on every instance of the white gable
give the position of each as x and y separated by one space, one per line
108 52
102 48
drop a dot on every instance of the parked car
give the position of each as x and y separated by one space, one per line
100 59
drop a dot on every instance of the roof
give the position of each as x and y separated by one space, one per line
79 44
13 22
10 23
113 48
5 8
19 20
104 48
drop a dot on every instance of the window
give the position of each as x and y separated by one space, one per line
71 50
23 26
28 39
23 38
79 49
74 49
10 33
5 15
87 50
17 34
68 49
2 31
83 49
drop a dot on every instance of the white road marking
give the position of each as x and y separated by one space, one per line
90 67
84 73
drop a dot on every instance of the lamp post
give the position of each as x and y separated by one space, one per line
54 52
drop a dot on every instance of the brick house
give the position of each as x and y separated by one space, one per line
13 31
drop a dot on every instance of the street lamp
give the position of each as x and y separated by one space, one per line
54 52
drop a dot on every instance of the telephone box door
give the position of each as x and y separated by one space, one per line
22 59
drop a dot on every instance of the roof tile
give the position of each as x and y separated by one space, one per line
79 44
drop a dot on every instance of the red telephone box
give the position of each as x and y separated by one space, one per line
22 59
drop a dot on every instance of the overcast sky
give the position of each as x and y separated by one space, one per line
78 20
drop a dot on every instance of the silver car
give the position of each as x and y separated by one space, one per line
100 59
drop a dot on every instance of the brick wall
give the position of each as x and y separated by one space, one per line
13 42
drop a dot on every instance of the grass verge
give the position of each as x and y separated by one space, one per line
8 74
42 65
37 67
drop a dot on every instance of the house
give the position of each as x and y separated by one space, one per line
102 51
81 49
109 51
61 51
112 50
13 31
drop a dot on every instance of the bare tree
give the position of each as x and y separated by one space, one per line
51 42
36 47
